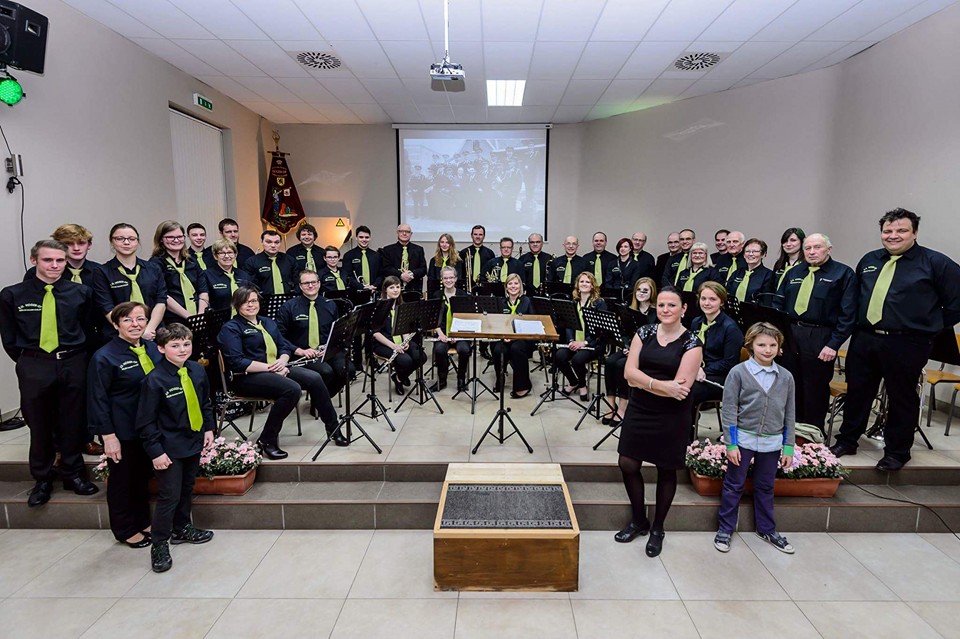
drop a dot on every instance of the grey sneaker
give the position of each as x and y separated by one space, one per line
722 541
777 540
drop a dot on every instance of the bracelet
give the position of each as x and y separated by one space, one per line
650 386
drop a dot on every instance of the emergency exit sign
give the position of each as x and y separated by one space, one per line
202 102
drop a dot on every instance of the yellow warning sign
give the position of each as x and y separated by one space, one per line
340 222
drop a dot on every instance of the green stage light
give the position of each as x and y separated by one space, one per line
10 91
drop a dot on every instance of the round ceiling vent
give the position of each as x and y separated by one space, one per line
696 61
317 60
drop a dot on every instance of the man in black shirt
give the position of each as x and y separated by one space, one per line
196 238
405 260
673 249
678 262
720 241
306 254
475 256
332 277
534 263
271 271
229 229
568 266
497 269
43 325
646 264
361 265
731 261
907 295
600 258
820 296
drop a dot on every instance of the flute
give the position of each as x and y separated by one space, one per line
393 356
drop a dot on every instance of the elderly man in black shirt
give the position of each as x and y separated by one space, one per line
535 263
405 260
907 294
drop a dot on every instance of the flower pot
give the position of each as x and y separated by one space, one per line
814 487
225 484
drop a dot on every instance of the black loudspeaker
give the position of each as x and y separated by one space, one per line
23 37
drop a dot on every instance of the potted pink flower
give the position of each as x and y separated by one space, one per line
227 468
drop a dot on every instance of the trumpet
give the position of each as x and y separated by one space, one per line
468 269
393 356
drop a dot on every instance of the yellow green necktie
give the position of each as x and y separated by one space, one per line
200 262
681 267
75 275
598 269
733 267
193 403
513 307
702 334
567 273
806 288
186 287
476 264
310 263
398 339
336 276
504 271
581 335
365 268
636 257
786 269
688 285
313 326
404 260
443 262
278 288
233 289
49 338
145 362
744 285
880 290
536 271
135 294
449 316
269 344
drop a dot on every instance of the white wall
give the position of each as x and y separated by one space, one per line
94 132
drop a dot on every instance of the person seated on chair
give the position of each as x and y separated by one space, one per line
409 356
580 346
518 350
332 277
722 340
699 271
305 321
253 346
441 348
221 275
643 301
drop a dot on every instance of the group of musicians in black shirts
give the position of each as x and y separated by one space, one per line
892 305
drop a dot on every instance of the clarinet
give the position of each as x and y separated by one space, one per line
395 353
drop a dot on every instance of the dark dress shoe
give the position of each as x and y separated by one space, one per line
397 385
840 449
631 532
584 397
80 486
92 448
272 451
191 535
461 384
516 395
340 440
889 464
40 494
143 543
160 559
655 543
438 386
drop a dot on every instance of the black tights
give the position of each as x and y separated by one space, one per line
633 482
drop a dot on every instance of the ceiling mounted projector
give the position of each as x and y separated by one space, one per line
446 71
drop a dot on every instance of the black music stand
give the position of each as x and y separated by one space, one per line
489 289
750 313
475 304
553 289
374 401
605 326
341 338
205 328
692 300
617 294
273 304
417 317
564 315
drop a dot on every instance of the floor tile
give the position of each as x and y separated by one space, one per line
750 619
609 570
396 618
160 618
514 619
941 616
46 618
622 619
841 620
429 453
398 565
441 430
947 543
271 618
27 553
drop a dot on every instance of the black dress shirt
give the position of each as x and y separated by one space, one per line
433 274
382 322
392 256
218 285
172 281
328 282
87 272
671 268
761 281
646 265
833 300
242 343
606 259
723 265
705 274
924 296
513 266
299 255
293 319
353 266
244 253
621 275
260 270
526 261
110 287
721 348
558 268
114 378
21 305
661 265
778 272
485 256
162 418
439 295
204 255
569 334
524 306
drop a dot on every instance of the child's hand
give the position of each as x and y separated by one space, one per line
208 439
786 461
733 456
162 462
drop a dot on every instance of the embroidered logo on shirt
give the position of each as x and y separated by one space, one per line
174 392
29 308
868 269
127 365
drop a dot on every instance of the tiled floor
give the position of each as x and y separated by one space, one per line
379 584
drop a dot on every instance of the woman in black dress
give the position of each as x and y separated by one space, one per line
661 368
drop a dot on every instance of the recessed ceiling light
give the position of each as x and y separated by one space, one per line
505 92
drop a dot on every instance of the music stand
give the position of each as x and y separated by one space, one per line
205 328
557 288
417 317
564 315
273 304
692 300
604 325
372 399
474 304
489 289
617 294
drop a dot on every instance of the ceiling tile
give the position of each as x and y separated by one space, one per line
411 59
840 55
796 59
470 114
280 19
405 113
602 111
861 19
802 19
266 55
309 90
907 19
388 91
229 87
584 92
175 55
507 60
510 20
603 59
468 54
705 86
165 19
437 114
555 60
627 19
337 20
685 20
650 59
304 112
369 113
624 91
271 111
423 95
747 59
221 57
465 20
744 18
538 113
504 114
667 88
568 20
714 46
365 58
338 113
474 95
746 82
222 19
113 18
268 89
543 92
569 114
682 75
348 90
394 20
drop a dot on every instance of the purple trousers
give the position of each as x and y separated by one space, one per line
764 472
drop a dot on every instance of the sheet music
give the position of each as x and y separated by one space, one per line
460 325
528 327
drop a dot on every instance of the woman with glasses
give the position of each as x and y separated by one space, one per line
754 279
127 278
332 278
699 271
186 287
222 277
257 354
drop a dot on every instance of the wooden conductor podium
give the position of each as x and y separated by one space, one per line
506 527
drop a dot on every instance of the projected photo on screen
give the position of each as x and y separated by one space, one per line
451 180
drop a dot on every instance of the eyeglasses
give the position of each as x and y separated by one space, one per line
404 232
226 253
310 283
125 240
173 238
133 320
752 252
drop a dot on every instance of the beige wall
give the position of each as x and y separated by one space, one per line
94 132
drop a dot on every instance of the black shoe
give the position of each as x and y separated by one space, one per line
631 532
40 494
655 543
397 384
143 543
315 412
338 438
272 451
461 384
191 535
584 397
889 464
80 486
515 395
160 559
840 449
438 386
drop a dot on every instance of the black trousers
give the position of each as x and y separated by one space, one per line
285 393
335 371
812 375
898 361
53 397
573 364
174 497
128 500
518 354
613 370
441 358
406 362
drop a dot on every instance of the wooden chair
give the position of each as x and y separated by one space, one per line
838 395
953 400
232 399
934 376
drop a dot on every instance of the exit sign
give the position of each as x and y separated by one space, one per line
202 102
